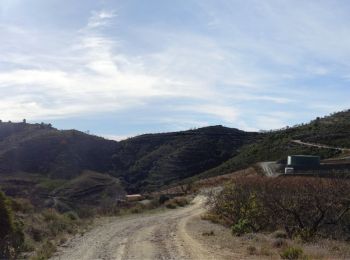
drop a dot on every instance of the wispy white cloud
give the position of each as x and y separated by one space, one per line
248 57
101 19
97 79
226 113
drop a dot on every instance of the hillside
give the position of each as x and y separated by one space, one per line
144 162
150 161
39 148
333 130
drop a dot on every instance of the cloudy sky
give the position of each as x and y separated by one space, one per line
125 67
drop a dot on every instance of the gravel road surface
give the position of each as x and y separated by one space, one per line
160 235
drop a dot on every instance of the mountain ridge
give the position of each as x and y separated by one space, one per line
141 162
150 161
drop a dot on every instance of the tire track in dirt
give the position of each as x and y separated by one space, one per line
156 236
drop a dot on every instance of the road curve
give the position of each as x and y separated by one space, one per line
155 236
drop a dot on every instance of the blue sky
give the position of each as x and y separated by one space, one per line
126 67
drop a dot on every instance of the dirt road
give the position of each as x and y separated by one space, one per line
320 146
269 168
156 236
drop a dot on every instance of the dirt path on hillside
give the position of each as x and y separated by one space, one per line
321 146
163 235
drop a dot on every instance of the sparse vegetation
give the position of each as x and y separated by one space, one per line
279 243
142 163
215 218
36 232
151 161
147 162
292 253
45 251
176 202
138 208
241 227
208 233
304 207
333 130
163 198
54 163
251 250
280 234
11 234
46 229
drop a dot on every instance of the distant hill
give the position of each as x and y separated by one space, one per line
144 162
40 148
333 130
150 161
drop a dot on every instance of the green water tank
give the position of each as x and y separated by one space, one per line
303 160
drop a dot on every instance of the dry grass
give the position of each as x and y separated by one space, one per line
46 228
207 183
213 218
176 202
208 233
267 245
327 249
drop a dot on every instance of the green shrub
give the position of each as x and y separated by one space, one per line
11 234
242 227
29 245
71 215
45 251
50 215
292 253
58 223
304 234
22 205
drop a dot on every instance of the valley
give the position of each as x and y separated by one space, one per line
58 181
